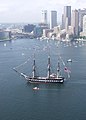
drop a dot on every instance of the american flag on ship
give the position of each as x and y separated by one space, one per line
67 70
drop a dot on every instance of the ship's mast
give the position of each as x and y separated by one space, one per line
48 73
58 70
34 67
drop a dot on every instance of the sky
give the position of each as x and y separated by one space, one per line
29 11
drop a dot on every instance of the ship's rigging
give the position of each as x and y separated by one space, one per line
49 75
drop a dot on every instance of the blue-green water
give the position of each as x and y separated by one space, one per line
18 101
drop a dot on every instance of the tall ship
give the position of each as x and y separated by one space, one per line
50 78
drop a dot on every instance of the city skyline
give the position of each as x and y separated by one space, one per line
28 11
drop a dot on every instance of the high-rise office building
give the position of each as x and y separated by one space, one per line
63 22
83 33
53 19
44 16
75 22
66 17
84 23
82 12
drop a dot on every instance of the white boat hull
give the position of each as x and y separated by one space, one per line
45 80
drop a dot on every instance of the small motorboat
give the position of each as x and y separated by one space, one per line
35 88
69 60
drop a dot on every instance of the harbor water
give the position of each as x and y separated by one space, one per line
18 100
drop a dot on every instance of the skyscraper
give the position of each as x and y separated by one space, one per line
44 16
66 17
82 12
53 19
83 33
84 23
75 22
63 22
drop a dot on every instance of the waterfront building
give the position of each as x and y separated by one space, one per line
75 22
5 35
44 16
47 33
53 19
43 26
66 17
38 31
28 28
57 29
